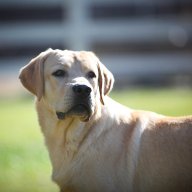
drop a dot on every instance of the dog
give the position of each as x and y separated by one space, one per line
96 144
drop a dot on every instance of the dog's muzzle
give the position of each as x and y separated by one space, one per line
82 104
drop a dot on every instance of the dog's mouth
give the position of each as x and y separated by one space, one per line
80 110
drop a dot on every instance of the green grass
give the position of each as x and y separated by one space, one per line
24 162
172 102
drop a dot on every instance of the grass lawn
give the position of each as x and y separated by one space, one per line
173 102
24 163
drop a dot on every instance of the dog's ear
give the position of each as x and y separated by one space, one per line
106 81
32 75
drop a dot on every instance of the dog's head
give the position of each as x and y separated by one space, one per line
71 83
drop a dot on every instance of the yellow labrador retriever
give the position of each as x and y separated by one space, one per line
96 144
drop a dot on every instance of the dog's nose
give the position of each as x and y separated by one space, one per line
82 90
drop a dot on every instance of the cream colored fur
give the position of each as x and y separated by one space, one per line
118 149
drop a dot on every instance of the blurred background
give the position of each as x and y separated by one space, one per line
146 44
143 42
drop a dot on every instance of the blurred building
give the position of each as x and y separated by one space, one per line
147 42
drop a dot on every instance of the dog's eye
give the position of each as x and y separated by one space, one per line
91 75
59 73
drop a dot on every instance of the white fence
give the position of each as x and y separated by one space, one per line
78 30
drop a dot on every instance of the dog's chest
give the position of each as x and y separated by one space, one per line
95 173
98 168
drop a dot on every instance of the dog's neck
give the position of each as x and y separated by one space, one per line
63 136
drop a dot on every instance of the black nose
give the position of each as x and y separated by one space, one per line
82 90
